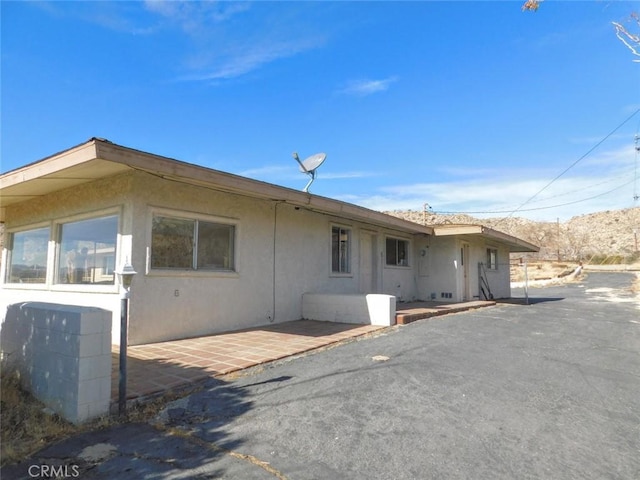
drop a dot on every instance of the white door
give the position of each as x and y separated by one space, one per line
368 265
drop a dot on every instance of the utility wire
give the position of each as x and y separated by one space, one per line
545 208
581 189
572 165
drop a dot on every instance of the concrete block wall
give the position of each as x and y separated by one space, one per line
371 309
63 354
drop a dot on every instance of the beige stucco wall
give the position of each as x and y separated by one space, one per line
282 252
439 272
499 279
176 304
442 270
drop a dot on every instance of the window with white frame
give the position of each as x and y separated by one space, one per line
492 258
191 244
28 256
87 251
397 252
340 250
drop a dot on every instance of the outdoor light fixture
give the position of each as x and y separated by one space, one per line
125 274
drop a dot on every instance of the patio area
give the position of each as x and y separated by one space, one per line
158 368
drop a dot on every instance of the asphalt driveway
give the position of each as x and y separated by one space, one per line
545 391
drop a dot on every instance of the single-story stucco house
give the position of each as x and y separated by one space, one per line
215 251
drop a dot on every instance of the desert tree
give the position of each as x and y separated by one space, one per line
628 34
531 5
629 39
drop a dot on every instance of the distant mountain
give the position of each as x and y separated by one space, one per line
612 233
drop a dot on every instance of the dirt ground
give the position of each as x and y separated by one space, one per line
542 271
551 273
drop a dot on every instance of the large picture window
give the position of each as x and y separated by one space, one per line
397 252
190 244
87 251
340 250
28 256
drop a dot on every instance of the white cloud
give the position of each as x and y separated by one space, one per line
346 175
362 88
593 140
631 108
267 171
246 58
466 171
283 173
623 156
222 40
195 18
115 16
495 198
229 39
228 43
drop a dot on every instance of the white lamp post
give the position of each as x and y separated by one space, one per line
125 275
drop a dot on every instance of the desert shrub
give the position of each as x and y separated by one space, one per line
26 424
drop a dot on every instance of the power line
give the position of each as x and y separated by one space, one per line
573 164
581 189
544 208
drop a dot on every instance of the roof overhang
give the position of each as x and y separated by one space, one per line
66 169
478 231
100 158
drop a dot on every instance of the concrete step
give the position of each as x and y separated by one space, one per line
418 312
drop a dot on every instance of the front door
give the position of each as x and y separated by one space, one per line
368 265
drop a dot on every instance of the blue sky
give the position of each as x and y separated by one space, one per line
466 106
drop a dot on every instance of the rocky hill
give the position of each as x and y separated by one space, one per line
609 236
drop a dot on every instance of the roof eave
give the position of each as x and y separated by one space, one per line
108 154
515 244
197 175
49 165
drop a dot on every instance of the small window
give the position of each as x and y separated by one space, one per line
340 250
188 244
28 256
492 258
397 252
87 251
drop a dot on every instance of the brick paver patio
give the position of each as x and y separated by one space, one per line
160 367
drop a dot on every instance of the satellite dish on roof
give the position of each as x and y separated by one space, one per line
309 166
